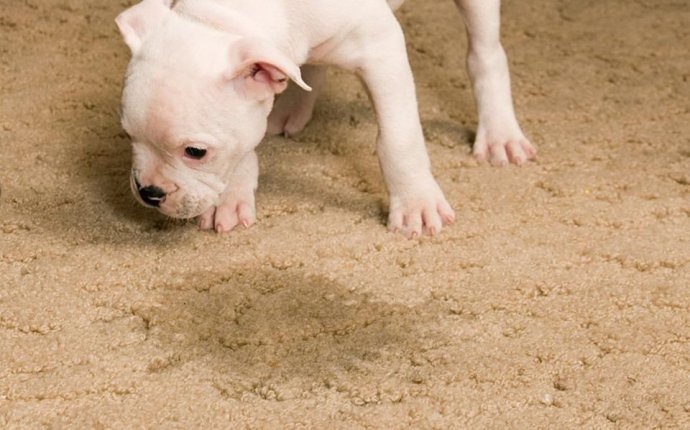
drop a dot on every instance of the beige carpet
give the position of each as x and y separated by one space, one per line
559 299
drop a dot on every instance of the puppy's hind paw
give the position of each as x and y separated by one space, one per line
290 115
502 151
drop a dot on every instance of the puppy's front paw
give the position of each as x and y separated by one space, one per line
501 149
423 211
233 212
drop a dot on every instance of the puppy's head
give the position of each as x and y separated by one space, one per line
195 102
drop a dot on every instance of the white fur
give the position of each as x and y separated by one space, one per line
205 74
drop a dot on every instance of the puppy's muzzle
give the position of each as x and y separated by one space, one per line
150 195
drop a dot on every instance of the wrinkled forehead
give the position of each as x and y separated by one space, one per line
179 65
187 46
167 108
152 103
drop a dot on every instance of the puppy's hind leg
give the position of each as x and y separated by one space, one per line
293 109
499 137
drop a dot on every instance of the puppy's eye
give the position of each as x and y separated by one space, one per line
194 153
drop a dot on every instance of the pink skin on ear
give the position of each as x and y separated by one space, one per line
263 68
265 74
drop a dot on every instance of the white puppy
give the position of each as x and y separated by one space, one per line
202 80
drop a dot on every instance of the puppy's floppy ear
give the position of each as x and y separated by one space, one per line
262 68
138 20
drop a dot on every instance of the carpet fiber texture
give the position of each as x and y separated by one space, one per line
560 298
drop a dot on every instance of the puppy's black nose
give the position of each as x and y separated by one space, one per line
151 195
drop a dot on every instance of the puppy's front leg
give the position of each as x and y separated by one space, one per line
499 137
238 204
417 203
